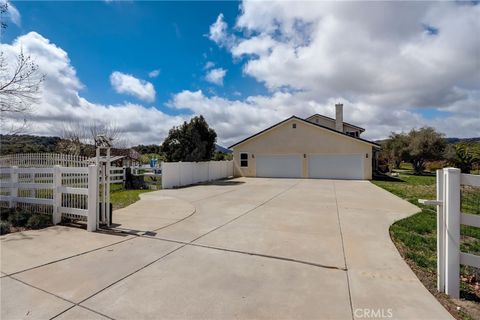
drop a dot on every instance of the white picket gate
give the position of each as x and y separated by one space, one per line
60 191
449 219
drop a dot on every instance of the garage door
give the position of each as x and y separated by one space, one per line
284 166
336 166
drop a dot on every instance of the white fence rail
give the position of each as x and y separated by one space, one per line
60 191
176 174
449 219
42 160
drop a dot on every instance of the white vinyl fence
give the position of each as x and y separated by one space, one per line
42 160
60 191
176 174
449 219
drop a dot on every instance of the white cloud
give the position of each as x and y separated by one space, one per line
218 32
12 13
216 76
154 73
61 101
209 65
376 53
128 84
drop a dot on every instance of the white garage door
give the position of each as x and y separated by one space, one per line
336 166
276 166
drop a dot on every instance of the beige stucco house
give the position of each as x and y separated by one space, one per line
315 147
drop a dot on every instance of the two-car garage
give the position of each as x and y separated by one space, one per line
296 148
319 166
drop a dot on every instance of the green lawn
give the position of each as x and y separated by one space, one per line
415 237
121 198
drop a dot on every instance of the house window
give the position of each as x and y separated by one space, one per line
243 159
294 125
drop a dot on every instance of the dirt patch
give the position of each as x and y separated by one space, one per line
460 309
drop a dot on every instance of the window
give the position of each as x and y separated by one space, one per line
294 125
243 159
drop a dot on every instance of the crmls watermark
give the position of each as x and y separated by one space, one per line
369 313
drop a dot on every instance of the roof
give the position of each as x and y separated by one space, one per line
348 124
310 123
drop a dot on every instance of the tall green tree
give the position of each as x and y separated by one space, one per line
424 144
192 141
395 149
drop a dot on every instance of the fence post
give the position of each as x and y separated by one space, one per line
13 186
57 195
92 217
452 234
440 233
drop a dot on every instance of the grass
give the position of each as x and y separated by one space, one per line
121 198
415 236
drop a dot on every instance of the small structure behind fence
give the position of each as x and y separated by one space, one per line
449 219
176 174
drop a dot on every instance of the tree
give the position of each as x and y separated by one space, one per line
396 148
79 138
424 144
192 141
463 155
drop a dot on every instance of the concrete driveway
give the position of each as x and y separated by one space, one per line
242 248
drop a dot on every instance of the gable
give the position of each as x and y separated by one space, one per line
306 136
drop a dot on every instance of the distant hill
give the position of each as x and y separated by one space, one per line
35 144
27 144
221 149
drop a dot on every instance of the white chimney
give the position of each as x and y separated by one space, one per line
339 117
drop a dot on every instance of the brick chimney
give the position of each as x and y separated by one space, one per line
339 117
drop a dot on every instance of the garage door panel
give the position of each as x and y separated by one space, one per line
336 166
279 166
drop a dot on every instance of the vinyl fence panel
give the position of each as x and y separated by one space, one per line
177 174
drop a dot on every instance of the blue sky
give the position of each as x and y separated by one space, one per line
171 36
394 65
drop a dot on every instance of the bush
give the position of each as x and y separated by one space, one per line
435 165
19 218
39 221
4 227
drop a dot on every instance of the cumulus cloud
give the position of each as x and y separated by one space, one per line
377 53
154 73
61 102
128 84
216 76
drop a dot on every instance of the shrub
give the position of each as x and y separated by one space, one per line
5 213
39 221
19 218
435 165
4 227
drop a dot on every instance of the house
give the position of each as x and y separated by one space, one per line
315 147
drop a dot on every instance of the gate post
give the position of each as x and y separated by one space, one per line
452 234
440 233
13 186
92 217
57 195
